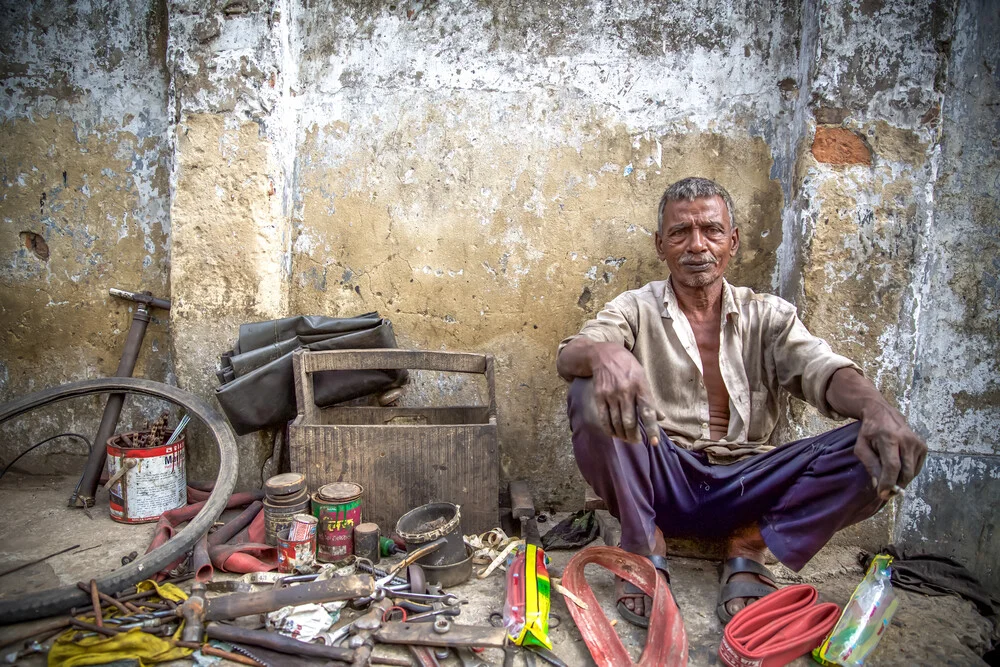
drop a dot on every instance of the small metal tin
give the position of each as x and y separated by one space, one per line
285 484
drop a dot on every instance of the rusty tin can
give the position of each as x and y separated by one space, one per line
285 496
153 481
295 555
303 525
337 506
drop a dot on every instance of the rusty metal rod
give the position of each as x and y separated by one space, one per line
83 625
95 599
38 560
234 657
231 606
389 660
107 599
19 632
276 642
137 596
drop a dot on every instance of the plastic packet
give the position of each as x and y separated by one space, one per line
526 609
865 618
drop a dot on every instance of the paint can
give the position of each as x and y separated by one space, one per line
285 496
337 506
296 555
150 481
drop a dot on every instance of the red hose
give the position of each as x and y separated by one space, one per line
666 643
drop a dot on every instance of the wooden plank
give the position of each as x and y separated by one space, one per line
377 359
436 416
521 503
403 467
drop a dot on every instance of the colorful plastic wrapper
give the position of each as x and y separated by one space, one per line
526 610
864 619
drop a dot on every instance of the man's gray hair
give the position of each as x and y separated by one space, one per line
691 188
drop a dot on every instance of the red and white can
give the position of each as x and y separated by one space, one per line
296 555
303 527
154 481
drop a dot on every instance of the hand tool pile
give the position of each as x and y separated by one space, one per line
387 609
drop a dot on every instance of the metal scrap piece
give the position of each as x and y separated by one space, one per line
423 634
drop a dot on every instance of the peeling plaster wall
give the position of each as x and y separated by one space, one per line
956 378
485 175
84 163
229 212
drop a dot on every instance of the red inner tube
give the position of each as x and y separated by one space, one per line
666 643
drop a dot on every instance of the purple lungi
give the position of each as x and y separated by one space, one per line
800 494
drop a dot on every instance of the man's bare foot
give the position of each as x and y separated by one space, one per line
747 543
628 596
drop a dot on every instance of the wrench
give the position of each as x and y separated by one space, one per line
448 599
427 615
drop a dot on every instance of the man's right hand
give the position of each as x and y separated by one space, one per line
621 391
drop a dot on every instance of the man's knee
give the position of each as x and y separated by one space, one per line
841 439
581 407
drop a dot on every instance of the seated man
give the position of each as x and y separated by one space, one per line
674 395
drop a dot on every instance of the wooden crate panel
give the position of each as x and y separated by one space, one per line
402 467
432 416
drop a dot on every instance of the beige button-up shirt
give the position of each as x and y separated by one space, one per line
763 347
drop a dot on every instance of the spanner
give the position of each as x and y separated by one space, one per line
428 615
447 599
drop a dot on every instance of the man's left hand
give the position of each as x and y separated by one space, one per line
888 448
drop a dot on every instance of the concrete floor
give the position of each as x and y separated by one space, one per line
925 631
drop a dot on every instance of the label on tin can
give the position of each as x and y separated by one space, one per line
335 537
156 484
295 554
303 526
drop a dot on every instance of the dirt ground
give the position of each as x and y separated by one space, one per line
925 630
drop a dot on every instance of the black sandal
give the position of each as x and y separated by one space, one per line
742 589
632 591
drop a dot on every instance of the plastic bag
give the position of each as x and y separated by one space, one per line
864 619
526 610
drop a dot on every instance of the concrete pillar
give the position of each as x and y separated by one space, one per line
230 227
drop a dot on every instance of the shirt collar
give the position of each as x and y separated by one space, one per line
670 305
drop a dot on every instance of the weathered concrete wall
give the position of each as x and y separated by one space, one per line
84 164
485 175
230 228
955 398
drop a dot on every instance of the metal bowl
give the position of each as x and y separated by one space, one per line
447 576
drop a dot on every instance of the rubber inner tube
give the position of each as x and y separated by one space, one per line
58 600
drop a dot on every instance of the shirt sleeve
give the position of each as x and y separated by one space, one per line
616 323
804 363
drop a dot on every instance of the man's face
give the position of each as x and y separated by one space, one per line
697 240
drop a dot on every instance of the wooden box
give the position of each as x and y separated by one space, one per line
402 457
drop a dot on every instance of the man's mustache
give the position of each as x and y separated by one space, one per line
702 259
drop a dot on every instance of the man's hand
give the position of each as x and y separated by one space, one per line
889 449
621 392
